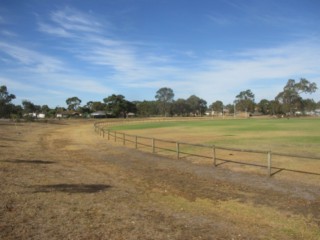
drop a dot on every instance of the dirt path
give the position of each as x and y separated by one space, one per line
63 181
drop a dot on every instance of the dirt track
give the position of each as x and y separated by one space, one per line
63 181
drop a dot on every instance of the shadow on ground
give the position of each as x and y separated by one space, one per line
72 188
29 161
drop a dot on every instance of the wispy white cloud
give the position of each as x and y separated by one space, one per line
124 64
270 68
30 72
68 21
7 33
74 20
269 13
18 85
30 59
131 66
50 68
53 30
75 83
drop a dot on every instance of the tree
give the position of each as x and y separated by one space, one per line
118 105
45 109
245 101
95 106
147 108
197 105
290 96
308 105
275 107
217 106
5 102
181 107
164 97
230 108
264 106
29 107
73 103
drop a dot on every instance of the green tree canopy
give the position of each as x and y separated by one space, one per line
147 108
164 97
73 103
118 105
95 106
217 106
245 101
197 105
291 98
264 106
29 107
308 105
5 102
181 107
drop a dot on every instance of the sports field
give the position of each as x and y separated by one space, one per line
287 139
294 136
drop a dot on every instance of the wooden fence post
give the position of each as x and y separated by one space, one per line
178 150
153 145
136 141
103 133
115 136
124 139
214 156
108 134
269 163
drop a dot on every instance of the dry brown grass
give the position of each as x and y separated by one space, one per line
63 181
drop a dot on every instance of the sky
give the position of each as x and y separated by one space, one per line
214 49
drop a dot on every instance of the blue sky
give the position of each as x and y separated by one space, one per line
53 50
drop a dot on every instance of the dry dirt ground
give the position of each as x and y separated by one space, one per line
60 180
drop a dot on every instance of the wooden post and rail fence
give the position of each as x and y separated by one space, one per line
176 147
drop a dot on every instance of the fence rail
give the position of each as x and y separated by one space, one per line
176 147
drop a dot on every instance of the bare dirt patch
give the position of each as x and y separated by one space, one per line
63 181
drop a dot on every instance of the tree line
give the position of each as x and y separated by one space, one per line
289 101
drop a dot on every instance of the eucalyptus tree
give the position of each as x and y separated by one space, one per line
118 105
181 107
147 108
73 103
290 97
29 107
94 106
264 107
217 106
308 105
245 101
164 97
5 101
197 105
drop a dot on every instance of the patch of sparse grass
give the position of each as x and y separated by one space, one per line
265 221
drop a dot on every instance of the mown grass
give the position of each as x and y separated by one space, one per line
290 137
297 135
